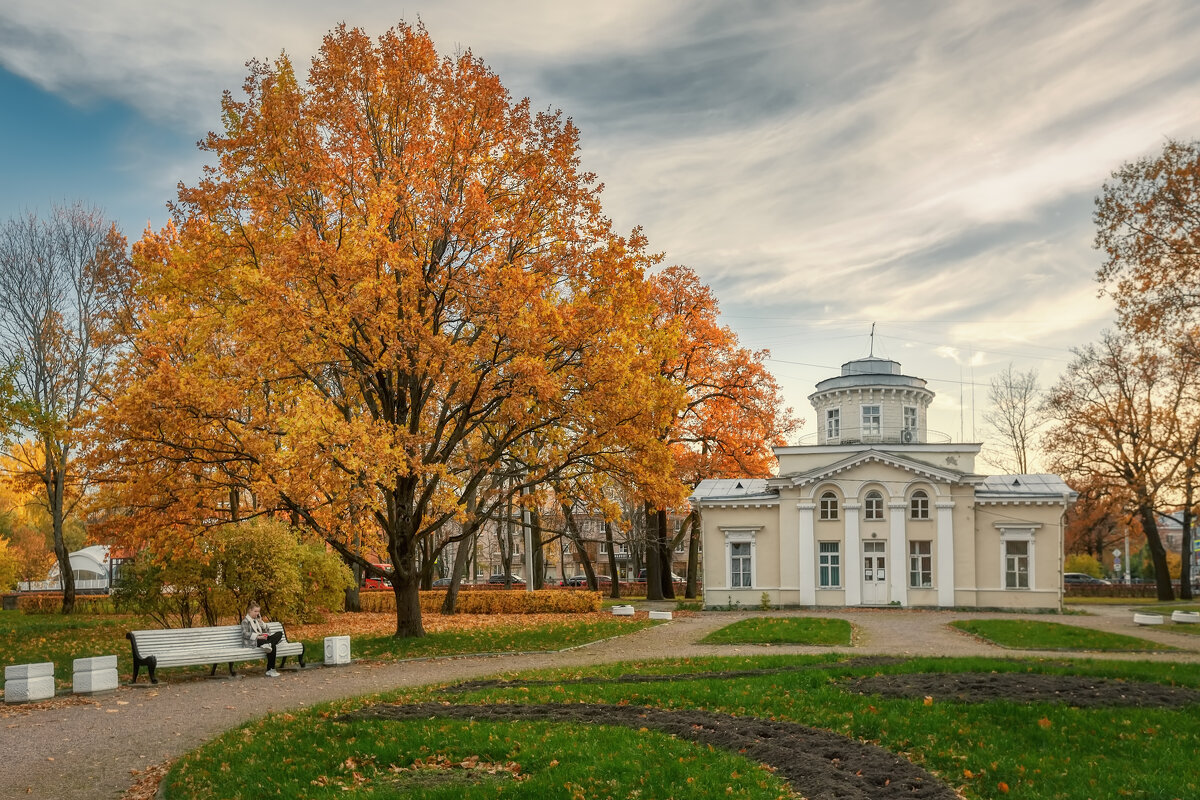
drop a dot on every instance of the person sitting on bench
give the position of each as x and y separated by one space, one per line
255 634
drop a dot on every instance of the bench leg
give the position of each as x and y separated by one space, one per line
151 663
231 672
212 671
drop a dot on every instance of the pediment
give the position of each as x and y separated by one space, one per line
865 458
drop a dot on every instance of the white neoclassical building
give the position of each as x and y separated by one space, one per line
877 514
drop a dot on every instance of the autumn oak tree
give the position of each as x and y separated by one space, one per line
731 415
392 280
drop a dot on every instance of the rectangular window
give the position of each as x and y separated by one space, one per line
920 565
833 423
566 548
604 548
622 549
830 565
870 421
910 419
1016 565
739 565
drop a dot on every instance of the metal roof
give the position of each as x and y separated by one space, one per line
734 489
1022 487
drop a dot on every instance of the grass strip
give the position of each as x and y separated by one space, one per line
1021 634
784 630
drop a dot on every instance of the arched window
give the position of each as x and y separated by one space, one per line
918 505
829 506
873 506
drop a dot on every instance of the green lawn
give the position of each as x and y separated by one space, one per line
34 638
986 750
1032 635
509 639
784 630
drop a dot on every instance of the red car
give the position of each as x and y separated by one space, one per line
371 582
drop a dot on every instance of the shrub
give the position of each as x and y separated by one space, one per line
261 560
493 602
1085 563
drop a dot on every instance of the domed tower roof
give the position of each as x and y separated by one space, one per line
871 401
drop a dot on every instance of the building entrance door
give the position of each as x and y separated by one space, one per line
875 588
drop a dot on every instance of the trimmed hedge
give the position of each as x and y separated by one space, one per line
493 602
47 603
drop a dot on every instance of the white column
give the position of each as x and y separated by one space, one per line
853 555
807 557
945 554
899 567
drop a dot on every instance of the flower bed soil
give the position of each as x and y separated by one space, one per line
819 764
1025 687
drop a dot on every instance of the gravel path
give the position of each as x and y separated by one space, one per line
91 749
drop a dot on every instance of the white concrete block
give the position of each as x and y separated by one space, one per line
660 615
94 680
622 611
1145 618
94 663
23 671
1192 617
28 690
337 650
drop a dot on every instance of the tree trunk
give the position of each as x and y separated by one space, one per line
353 598
1158 553
693 589
654 586
665 551
536 557
55 490
462 559
614 573
406 579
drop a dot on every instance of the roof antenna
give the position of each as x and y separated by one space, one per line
872 340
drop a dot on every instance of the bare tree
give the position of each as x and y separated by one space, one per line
60 287
1111 419
1014 418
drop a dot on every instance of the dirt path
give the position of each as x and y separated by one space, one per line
91 749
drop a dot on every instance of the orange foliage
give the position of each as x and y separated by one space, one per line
393 280
733 413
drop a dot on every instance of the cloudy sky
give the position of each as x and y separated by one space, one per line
926 166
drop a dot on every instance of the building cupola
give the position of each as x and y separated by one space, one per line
872 401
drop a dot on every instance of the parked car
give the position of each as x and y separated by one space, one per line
441 582
581 580
371 582
1082 578
500 579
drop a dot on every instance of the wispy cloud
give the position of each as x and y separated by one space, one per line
918 164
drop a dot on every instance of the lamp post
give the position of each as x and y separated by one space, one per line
1126 557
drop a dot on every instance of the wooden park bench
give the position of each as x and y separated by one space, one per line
178 647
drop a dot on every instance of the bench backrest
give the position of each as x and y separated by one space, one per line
149 642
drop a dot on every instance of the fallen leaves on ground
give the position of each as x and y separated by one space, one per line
146 785
19 709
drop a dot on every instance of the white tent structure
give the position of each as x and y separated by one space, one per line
92 569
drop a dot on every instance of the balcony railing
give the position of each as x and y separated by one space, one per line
883 436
